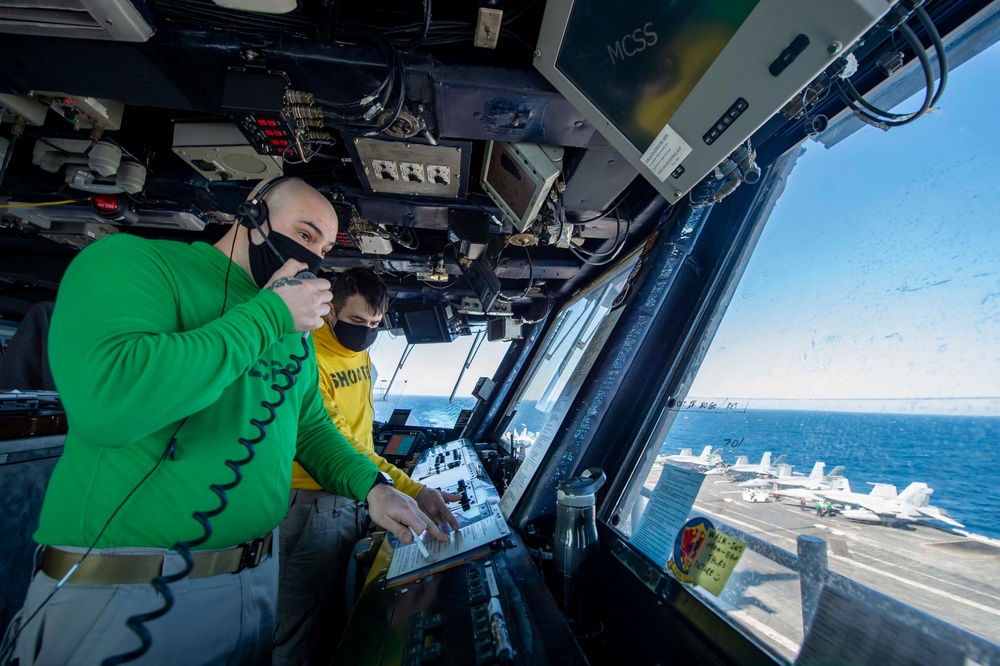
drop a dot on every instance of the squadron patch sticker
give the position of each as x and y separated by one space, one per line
702 556
686 547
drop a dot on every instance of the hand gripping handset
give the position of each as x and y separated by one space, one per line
305 275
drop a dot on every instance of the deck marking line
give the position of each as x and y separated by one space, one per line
946 581
927 588
781 639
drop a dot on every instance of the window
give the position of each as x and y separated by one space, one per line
427 377
864 335
576 337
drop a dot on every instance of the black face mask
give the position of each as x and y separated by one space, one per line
354 336
264 262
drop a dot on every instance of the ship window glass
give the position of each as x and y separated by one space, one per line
851 389
566 355
425 381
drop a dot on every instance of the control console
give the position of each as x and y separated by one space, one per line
474 600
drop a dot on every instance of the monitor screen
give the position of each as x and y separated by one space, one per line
399 417
424 324
638 66
509 177
399 445
676 86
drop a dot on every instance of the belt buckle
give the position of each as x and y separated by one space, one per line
253 553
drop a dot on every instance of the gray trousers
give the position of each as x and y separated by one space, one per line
223 619
316 541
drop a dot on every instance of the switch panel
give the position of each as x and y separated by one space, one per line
485 606
384 170
411 172
410 168
439 174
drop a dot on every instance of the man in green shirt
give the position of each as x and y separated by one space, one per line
173 362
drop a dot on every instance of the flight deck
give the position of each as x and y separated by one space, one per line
953 577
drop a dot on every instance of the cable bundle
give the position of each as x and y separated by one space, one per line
873 115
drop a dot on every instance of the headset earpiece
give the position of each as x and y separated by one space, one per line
253 212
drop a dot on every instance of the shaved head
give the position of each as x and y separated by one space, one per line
290 192
296 210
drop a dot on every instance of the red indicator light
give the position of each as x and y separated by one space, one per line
262 122
272 123
105 203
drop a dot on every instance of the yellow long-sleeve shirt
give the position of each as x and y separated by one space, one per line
345 383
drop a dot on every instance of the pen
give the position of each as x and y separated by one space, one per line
501 639
420 544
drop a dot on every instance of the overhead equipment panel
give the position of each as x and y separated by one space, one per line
113 20
677 86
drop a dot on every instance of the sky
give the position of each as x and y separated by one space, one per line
433 369
876 282
875 285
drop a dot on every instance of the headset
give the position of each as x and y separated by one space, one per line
253 212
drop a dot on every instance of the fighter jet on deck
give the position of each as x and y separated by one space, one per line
707 457
743 468
798 486
883 505
816 480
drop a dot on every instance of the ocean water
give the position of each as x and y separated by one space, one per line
957 456
429 411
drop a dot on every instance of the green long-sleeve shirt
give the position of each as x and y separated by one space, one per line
137 344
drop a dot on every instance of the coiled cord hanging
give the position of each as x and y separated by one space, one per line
161 583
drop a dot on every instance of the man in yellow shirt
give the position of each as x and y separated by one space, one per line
320 530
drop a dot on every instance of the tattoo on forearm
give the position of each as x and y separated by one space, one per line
284 282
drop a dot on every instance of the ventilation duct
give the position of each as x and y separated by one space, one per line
115 20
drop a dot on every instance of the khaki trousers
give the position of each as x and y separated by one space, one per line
316 540
222 619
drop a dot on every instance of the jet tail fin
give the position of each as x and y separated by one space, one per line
840 483
917 494
885 490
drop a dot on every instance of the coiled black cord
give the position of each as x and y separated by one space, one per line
137 622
